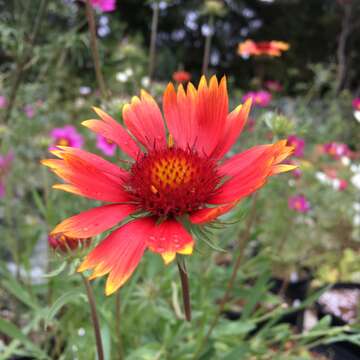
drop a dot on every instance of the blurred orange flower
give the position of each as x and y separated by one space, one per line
268 48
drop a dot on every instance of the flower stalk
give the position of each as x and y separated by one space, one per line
94 317
94 49
185 289
154 28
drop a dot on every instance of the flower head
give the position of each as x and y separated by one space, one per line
298 143
263 48
177 173
273 85
299 203
64 244
3 102
336 150
29 111
107 147
356 103
260 98
5 165
66 136
181 76
104 5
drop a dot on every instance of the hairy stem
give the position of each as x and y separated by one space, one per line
94 49
185 289
94 317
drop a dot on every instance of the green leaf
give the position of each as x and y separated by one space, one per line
69 296
56 272
233 329
15 333
14 288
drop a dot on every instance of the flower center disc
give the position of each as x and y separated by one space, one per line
171 182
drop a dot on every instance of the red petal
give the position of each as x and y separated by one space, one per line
235 122
119 254
169 238
144 120
94 221
206 215
179 110
113 131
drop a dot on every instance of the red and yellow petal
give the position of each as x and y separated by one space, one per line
86 179
119 254
144 120
169 238
234 125
93 159
94 221
204 216
211 113
179 110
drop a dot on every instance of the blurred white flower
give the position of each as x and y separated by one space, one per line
122 76
81 332
84 90
356 220
145 81
345 161
129 72
357 115
356 180
356 207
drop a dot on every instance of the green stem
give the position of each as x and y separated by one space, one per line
154 27
243 241
94 49
206 58
94 317
23 60
117 325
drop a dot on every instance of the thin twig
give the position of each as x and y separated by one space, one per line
242 242
94 49
24 59
154 27
185 289
94 317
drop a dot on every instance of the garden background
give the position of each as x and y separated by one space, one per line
279 276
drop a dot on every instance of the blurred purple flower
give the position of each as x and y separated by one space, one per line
336 150
29 111
273 85
66 136
298 143
106 146
3 102
299 203
260 98
104 5
5 165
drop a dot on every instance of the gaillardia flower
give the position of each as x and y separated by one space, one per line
176 172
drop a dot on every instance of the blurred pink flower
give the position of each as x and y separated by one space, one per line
106 146
298 143
299 203
3 102
356 103
104 5
273 85
336 150
261 98
66 136
5 165
29 111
